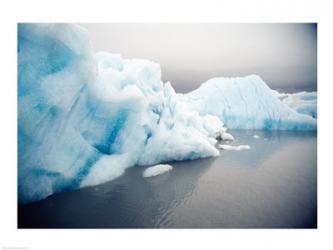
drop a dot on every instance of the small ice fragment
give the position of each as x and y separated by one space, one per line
227 137
256 136
237 148
156 170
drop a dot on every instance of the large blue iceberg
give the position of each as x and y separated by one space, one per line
248 103
83 118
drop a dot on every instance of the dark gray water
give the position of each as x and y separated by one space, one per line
272 185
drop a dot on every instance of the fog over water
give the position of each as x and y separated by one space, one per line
284 55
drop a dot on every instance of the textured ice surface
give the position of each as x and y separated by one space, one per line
302 102
84 118
156 170
247 103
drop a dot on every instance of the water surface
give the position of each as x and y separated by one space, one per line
272 185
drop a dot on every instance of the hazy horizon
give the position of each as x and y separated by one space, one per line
284 55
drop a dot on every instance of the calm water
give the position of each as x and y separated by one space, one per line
272 185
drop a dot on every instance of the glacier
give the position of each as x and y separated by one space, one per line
84 117
248 103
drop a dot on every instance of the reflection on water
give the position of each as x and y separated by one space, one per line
272 185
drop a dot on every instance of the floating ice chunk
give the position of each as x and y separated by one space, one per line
223 135
247 103
230 147
227 137
256 136
157 170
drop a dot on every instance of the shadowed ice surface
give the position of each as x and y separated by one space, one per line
272 185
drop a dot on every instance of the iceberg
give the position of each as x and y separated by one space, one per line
83 118
227 137
248 103
156 170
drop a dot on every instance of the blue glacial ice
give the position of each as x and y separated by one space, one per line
248 103
303 102
83 118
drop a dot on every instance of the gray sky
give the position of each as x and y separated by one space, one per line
284 55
